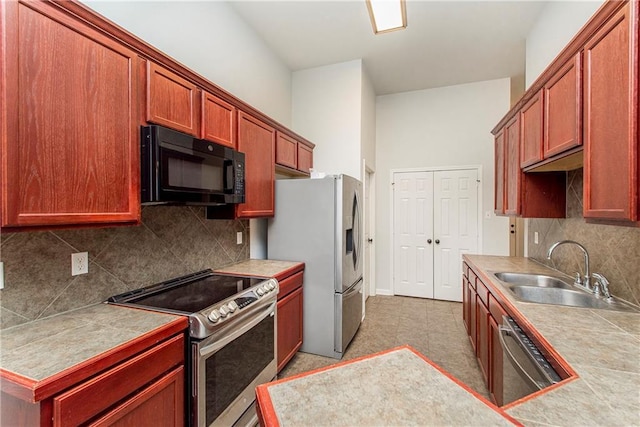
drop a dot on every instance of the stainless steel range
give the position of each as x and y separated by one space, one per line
232 343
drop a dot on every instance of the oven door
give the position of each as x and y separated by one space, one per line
230 364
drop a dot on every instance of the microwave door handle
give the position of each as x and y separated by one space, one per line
227 180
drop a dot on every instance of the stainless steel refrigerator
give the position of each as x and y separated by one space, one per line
319 222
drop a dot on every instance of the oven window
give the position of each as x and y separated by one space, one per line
186 171
235 366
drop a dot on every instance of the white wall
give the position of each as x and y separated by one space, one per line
558 22
368 130
212 40
449 126
327 109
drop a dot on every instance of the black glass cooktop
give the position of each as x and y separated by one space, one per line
188 294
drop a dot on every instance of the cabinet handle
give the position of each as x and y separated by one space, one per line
429 241
437 241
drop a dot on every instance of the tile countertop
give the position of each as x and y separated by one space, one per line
601 346
397 387
264 268
36 357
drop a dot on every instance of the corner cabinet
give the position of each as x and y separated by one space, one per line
70 121
611 157
289 318
257 141
147 388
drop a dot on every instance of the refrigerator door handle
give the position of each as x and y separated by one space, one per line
356 230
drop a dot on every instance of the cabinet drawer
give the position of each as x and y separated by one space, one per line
483 293
81 403
496 309
472 278
290 284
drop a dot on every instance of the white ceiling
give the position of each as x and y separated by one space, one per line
445 42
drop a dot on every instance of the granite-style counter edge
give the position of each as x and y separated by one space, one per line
601 346
395 387
40 358
263 268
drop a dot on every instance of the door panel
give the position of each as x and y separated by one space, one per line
455 228
413 226
435 222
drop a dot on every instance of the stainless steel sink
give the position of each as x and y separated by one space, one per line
544 289
537 280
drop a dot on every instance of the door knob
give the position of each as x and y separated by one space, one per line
370 240
429 241
437 241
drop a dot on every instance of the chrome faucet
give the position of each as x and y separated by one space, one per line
587 277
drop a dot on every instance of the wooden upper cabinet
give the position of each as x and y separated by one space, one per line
257 140
171 100
305 158
499 189
531 125
286 151
512 166
218 120
563 104
610 119
70 122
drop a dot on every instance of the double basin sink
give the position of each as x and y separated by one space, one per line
543 289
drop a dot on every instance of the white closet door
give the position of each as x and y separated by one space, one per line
413 227
455 228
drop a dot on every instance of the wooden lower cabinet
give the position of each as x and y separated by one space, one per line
484 316
147 389
289 318
483 340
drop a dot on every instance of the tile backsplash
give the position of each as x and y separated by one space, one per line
614 251
172 241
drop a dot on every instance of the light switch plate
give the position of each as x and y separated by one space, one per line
1 275
535 237
239 237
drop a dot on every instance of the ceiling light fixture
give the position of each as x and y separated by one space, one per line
387 15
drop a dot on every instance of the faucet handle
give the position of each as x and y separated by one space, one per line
601 282
578 279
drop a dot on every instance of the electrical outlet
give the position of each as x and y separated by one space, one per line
239 237
535 237
79 263
1 275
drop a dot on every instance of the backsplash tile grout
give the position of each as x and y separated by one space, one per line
172 241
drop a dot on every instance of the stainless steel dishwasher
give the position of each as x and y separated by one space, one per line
524 369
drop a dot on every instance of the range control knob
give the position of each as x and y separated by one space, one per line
233 306
266 289
214 316
259 291
224 310
270 285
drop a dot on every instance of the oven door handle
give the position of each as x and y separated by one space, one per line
237 330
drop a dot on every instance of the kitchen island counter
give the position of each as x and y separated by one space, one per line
602 348
395 387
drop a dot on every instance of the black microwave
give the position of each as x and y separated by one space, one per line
177 168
